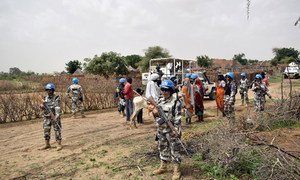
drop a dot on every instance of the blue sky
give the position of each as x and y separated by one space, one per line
43 35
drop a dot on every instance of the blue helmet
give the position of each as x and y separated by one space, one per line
258 76
230 74
167 84
75 80
50 86
188 75
194 76
122 80
243 74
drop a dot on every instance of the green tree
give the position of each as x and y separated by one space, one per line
133 60
284 55
240 58
15 71
72 66
204 61
107 64
151 53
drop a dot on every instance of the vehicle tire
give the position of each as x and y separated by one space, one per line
285 76
297 76
212 95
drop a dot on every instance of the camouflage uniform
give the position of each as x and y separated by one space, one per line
53 102
260 92
121 103
168 145
244 90
229 100
77 97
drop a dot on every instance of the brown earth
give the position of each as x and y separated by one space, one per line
101 146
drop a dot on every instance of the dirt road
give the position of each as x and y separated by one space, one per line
99 146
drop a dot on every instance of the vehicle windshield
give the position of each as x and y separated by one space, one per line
291 69
168 67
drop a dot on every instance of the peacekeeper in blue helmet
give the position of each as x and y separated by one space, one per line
75 93
52 112
120 95
260 91
230 91
244 84
168 144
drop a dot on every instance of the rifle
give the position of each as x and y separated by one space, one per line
165 119
263 90
48 109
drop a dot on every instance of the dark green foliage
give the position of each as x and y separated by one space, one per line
204 61
15 71
246 163
107 64
281 123
151 53
240 58
284 56
208 168
72 66
133 60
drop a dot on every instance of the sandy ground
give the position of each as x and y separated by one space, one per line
99 146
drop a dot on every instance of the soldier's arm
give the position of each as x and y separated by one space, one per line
177 118
81 92
68 92
57 107
268 92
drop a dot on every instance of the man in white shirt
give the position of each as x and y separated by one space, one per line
152 89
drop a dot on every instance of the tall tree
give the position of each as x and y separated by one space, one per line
15 71
107 64
151 53
204 61
240 58
72 66
133 60
284 55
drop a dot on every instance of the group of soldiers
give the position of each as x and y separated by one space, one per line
227 89
166 108
165 94
52 110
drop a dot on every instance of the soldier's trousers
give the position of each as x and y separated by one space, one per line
169 148
77 104
47 128
259 103
229 110
244 96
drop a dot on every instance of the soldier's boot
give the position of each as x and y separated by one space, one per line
162 169
59 146
186 121
176 172
190 120
201 118
47 145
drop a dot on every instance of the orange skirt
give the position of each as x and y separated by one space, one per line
220 98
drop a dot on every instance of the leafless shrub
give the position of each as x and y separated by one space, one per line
243 155
23 104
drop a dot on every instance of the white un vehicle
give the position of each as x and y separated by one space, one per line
170 67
